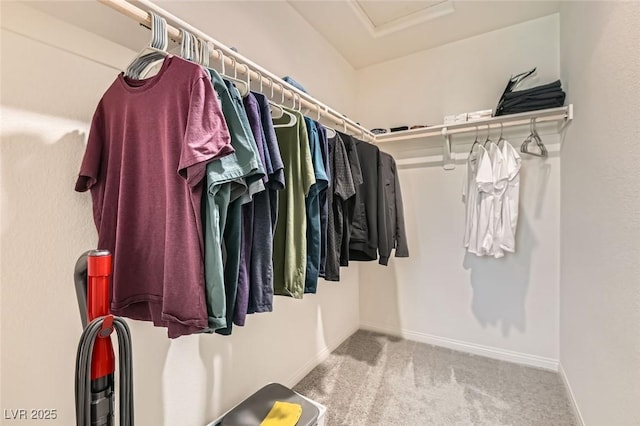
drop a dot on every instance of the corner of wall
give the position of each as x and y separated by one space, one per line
572 398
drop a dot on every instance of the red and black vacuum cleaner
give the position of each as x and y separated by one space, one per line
95 360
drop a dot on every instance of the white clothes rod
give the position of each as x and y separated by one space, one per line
562 114
325 114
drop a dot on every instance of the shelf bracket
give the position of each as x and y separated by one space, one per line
568 117
448 157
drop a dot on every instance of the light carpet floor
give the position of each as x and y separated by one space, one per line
376 379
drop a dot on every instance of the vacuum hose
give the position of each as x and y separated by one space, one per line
88 399
95 361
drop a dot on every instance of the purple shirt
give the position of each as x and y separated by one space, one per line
144 163
248 213
275 164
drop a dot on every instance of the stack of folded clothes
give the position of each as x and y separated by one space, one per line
514 101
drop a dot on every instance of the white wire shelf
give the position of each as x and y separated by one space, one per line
561 115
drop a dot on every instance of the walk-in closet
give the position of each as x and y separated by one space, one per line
337 213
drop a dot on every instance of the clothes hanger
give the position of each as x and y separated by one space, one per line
488 140
475 142
533 137
500 138
156 50
293 120
331 132
205 53
276 110
150 52
186 45
189 50
299 109
242 86
260 77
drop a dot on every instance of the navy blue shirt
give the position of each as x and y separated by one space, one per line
313 208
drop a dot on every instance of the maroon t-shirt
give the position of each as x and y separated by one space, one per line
145 160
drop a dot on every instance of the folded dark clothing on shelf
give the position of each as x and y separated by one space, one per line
399 128
529 107
545 88
535 95
550 96
294 83
545 96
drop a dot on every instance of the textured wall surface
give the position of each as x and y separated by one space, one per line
463 76
508 307
600 255
51 84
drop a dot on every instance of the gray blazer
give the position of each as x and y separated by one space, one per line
396 233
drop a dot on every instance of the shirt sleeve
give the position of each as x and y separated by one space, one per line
307 173
465 184
384 243
90 168
206 134
343 185
484 175
499 166
513 161
402 247
354 159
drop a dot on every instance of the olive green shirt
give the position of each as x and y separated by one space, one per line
290 239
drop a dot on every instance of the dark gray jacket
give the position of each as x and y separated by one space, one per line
349 143
369 226
396 233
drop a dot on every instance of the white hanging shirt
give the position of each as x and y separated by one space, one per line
511 197
500 180
483 235
470 198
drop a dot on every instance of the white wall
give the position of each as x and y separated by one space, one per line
51 84
600 254
275 36
504 308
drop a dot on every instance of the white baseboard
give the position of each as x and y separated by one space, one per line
472 348
318 358
572 398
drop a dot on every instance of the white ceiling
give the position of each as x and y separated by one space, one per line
365 32
386 12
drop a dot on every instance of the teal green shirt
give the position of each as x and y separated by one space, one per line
227 179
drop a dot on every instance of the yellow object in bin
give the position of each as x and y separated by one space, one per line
255 410
283 414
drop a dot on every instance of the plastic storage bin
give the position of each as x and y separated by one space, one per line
254 409
321 408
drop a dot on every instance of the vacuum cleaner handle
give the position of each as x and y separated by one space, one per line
80 278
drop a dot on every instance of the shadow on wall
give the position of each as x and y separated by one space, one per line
43 232
381 305
150 352
45 227
500 285
34 174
